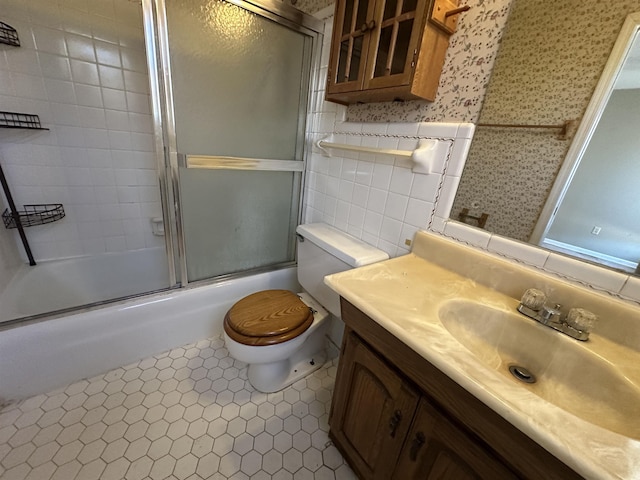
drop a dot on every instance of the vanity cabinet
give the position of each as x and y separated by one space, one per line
384 50
396 416
375 410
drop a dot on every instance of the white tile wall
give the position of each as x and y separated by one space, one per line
82 68
378 198
374 197
9 260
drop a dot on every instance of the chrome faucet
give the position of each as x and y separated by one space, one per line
577 323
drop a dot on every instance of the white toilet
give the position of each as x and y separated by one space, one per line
281 334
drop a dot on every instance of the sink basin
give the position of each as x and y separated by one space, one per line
568 373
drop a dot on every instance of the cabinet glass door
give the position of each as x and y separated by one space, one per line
354 20
392 54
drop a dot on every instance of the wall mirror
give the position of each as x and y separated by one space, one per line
574 192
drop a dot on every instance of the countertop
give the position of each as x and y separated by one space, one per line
404 295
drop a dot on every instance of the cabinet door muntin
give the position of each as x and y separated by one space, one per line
395 42
350 45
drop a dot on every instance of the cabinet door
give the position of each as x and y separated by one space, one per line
394 42
437 449
349 47
371 412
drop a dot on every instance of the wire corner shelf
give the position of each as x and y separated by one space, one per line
20 120
8 35
39 214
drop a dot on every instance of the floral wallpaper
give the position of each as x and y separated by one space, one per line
548 66
465 76
310 6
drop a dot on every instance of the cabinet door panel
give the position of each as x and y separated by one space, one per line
393 42
371 412
349 45
437 450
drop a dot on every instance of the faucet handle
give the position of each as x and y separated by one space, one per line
581 319
534 299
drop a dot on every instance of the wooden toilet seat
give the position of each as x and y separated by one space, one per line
267 318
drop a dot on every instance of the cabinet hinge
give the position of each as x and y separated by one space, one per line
415 56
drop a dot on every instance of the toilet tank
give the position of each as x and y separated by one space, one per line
323 250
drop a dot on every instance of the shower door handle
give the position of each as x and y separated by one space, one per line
182 160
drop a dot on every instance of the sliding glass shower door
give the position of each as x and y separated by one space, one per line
238 93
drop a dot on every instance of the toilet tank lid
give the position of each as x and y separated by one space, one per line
350 250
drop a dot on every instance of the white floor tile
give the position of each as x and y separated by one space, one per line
187 413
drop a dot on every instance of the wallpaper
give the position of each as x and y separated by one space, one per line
468 64
310 6
548 66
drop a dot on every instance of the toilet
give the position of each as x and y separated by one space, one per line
281 334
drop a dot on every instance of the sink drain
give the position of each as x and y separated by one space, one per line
522 374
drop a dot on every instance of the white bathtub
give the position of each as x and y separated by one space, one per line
42 356
59 284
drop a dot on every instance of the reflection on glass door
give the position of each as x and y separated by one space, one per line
240 86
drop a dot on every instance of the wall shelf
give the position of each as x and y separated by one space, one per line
20 120
8 35
33 215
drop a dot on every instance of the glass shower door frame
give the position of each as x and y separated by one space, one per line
169 160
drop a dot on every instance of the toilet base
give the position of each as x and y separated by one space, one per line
275 376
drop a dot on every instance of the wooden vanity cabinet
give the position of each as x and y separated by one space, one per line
376 410
436 448
384 50
396 416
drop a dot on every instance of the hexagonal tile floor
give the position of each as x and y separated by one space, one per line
188 413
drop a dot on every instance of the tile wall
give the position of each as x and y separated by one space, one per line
373 197
9 256
378 198
82 68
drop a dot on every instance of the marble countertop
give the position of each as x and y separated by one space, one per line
404 296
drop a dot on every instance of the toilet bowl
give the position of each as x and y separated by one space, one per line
276 361
281 334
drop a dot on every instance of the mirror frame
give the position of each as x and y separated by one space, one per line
595 276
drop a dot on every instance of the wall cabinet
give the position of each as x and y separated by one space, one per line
395 416
383 50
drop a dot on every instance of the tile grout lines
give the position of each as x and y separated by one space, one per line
188 413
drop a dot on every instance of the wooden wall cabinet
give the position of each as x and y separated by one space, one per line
384 50
395 416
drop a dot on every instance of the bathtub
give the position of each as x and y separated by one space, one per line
60 284
41 356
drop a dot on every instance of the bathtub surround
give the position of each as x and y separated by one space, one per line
185 413
10 261
82 68
62 284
